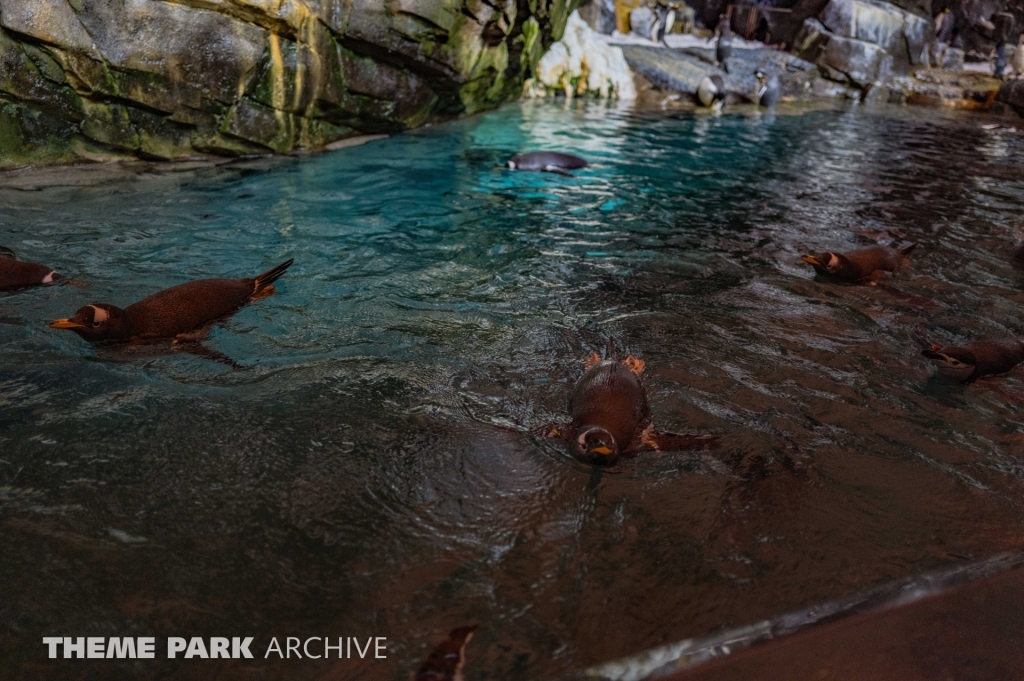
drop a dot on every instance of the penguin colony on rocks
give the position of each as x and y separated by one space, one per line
609 416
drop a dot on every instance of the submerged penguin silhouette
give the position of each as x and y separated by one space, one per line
976 359
16 274
611 417
547 162
171 313
863 265
446 660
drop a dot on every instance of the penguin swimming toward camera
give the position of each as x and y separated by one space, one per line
175 312
15 274
711 92
547 162
862 265
767 89
611 417
447 659
971 361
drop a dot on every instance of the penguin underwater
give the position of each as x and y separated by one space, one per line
547 161
611 417
172 312
446 660
16 274
859 265
976 359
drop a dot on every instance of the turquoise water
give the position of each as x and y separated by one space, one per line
371 471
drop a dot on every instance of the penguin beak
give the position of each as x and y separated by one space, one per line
66 324
602 450
811 259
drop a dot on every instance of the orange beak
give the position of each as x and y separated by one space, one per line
66 324
811 259
603 451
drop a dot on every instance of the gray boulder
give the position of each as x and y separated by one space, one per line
859 61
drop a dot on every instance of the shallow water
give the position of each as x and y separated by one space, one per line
371 472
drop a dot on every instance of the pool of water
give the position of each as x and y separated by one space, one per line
371 471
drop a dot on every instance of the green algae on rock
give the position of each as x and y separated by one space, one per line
108 80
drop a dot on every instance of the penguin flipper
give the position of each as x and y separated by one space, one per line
555 431
635 365
199 349
446 660
652 440
557 171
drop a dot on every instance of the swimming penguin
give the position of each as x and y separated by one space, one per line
711 92
611 417
172 312
860 265
723 48
767 89
971 361
547 161
17 274
446 661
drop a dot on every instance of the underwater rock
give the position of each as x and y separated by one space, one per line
582 64
109 79
1011 93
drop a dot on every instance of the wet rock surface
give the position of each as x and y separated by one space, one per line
156 80
682 70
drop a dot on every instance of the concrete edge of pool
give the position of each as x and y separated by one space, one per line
960 622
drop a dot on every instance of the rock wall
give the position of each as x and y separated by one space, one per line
174 79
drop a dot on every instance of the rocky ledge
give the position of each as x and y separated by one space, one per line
175 79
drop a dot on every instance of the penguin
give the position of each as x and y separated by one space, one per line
999 63
767 90
970 361
860 265
1017 60
547 161
711 92
171 313
446 661
723 48
611 417
663 26
15 274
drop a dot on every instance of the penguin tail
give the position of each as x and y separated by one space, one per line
905 250
610 349
270 276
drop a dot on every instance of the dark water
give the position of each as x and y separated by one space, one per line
365 476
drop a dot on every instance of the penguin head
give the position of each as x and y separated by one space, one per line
759 74
97 322
596 445
958 363
828 264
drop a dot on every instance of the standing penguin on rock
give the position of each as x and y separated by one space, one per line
611 417
767 89
15 274
862 265
711 92
723 47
